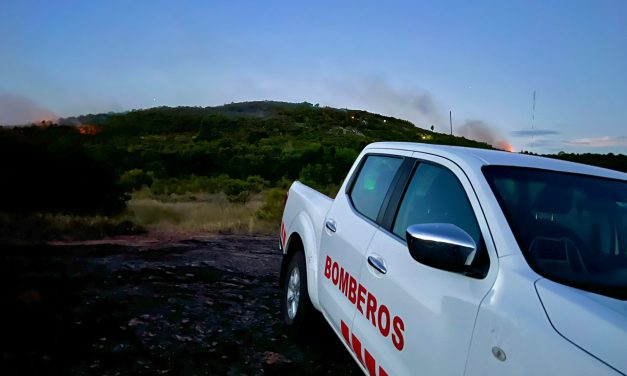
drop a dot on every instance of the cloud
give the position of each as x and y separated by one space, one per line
18 110
479 131
598 142
534 133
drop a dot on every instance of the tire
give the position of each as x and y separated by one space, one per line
295 303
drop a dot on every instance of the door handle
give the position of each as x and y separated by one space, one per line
378 264
330 224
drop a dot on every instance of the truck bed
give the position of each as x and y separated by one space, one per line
304 200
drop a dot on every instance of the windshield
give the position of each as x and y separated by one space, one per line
571 228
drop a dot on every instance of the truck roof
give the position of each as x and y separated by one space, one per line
482 157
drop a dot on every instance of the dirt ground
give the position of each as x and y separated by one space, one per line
204 306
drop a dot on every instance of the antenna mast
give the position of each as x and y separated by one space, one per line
533 117
450 119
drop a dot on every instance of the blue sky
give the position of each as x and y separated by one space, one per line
410 59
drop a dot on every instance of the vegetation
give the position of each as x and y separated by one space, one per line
612 161
196 168
203 213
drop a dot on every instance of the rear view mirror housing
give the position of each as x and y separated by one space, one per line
441 245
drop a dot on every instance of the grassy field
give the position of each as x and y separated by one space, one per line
198 213
188 214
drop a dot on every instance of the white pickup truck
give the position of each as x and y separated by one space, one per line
438 260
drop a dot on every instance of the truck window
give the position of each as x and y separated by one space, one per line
372 184
571 228
434 195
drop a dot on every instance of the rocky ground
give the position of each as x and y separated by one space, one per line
208 306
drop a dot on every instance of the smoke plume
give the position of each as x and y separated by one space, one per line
378 95
69 121
18 110
479 131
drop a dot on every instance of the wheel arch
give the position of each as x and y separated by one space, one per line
302 237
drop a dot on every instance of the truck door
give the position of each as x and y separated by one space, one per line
416 319
349 226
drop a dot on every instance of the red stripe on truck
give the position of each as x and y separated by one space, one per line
345 332
356 346
370 363
283 235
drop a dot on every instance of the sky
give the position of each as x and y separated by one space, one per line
416 60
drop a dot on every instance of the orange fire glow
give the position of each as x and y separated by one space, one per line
506 146
87 129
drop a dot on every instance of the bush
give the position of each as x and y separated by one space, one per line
236 190
273 205
135 179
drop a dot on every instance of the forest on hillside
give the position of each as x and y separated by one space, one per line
241 150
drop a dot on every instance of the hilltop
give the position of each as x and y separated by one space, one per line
269 139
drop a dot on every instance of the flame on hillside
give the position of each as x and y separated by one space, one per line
506 146
87 129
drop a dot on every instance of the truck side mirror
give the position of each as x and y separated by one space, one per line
441 245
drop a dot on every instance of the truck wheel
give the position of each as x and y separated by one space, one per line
295 302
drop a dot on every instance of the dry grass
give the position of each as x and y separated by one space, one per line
202 213
35 227
181 215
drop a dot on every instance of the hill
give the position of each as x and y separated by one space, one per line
243 151
269 139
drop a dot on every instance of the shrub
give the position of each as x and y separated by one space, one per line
272 207
135 179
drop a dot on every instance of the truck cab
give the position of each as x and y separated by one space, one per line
448 260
